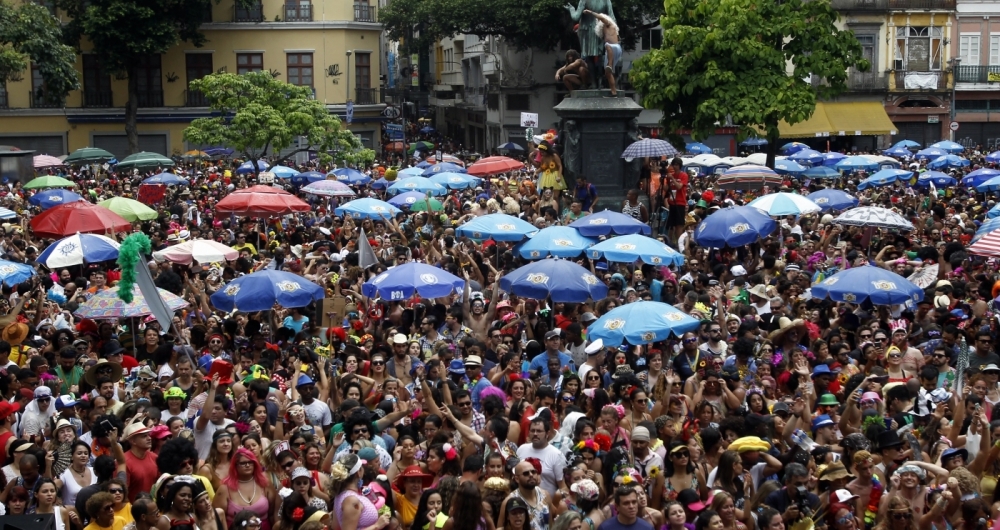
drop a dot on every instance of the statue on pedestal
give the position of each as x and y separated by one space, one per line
608 31
592 46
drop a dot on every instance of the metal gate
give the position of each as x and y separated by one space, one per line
54 145
117 144
922 132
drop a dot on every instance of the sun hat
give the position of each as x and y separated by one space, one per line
174 392
595 347
828 399
586 489
135 428
413 471
91 375
835 471
823 420
456 366
473 360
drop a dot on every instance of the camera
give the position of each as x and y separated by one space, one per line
802 499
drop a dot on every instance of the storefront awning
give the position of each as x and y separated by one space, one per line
856 118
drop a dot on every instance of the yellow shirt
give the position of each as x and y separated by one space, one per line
119 524
246 246
125 513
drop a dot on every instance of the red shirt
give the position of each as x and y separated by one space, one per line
680 195
142 473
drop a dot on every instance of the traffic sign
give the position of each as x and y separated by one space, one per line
394 130
953 126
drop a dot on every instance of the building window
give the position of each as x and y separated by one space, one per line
652 39
198 65
300 69
149 77
519 102
96 83
3 96
249 62
868 44
363 70
994 50
298 11
968 49
918 48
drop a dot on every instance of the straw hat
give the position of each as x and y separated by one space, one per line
15 333
785 325
102 365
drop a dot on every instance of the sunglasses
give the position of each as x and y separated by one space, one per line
378 363
359 431
682 454
568 399
902 516
689 341
529 473
895 356
288 464
845 519
116 491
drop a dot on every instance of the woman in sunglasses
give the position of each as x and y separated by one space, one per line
899 516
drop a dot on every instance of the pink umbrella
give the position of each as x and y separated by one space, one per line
41 161
200 250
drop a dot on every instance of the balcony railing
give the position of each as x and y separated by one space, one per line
298 13
39 101
368 96
894 5
97 98
940 84
365 13
150 98
977 74
867 82
249 14
194 98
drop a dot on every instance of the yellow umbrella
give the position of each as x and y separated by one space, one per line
194 153
131 210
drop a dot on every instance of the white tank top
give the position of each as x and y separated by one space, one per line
71 488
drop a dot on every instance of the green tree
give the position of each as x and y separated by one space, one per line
30 34
124 32
258 114
749 61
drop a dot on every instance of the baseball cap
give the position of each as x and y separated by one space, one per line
552 334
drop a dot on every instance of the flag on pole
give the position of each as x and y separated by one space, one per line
366 256
144 280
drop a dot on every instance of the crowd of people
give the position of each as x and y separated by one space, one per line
483 409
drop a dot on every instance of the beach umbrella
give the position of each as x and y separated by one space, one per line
901 152
979 176
494 165
496 226
421 184
405 200
906 144
609 222
948 145
884 178
992 184
558 279
403 281
788 166
636 247
748 177
12 273
509 146
7 213
427 204
832 158
144 160
427 130
40 161
88 155
218 151
194 153
420 146
557 241
754 142
425 164
261 201
329 188
939 179
367 208
855 163
49 181
168 179
284 172
821 172
641 323
648 148
200 250
832 200
994 157
130 209
778 204
107 305
874 216
247 168
443 167
49 198
303 179
734 227
858 284
350 176
261 290
455 181
992 214
947 161
987 245
807 156
80 216
410 172
930 153
79 249
991 224
793 147
697 148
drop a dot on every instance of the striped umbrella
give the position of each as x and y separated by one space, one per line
989 245
748 177
649 148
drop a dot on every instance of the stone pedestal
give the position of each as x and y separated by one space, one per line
595 128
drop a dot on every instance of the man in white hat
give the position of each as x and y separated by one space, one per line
595 358
140 461
401 362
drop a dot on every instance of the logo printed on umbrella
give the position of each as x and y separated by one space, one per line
739 228
536 254
590 279
597 222
378 209
648 336
55 198
428 278
232 290
562 242
624 246
615 323
831 280
884 285
848 297
8 269
676 317
505 227
411 200
537 278
288 287
477 235
455 180
822 200
655 260
67 248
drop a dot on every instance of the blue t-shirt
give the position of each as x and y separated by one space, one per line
294 325
614 524
541 362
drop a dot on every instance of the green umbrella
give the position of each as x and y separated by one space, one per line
130 209
88 155
428 204
421 145
145 160
49 181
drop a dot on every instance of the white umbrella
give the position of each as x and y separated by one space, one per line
873 216
735 160
776 204
200 250
709 160
759 159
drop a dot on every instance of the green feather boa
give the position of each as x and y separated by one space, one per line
132 250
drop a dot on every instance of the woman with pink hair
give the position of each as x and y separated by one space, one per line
247 488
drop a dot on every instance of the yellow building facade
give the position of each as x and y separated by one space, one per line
332 46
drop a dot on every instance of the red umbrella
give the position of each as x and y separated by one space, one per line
493 165
262 201
83 217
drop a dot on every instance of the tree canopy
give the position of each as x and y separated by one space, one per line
30 34
258 114
523 24
748 61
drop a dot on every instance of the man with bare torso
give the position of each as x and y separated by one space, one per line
609 30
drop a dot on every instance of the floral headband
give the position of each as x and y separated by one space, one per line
590 445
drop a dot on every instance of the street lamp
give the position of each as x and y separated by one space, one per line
954 81
349 75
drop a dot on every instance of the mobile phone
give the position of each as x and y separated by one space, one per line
107 425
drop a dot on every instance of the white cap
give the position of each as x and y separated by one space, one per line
594 347
842 496
738 270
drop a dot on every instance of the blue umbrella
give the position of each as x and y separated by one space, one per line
14 273
821 172
509 146
217 151
557 241
496 226
424 165
942 162
754 142
807 156
901 152
789 167
54 197
405 200
562 280
421 184
609 222
410 172
636 247
641 323
994 157
284 172
854 163
939 179
304 179
990 225
906 144
351 176
832 200
793 147
930 153
884 178
79 249
697 148
428 129
443 167
247 167
403 281
261 290
734 227
455 181
948 145
867 282
990 185
831 158
380 184
367 208
979 176
7 214
168 179
992 214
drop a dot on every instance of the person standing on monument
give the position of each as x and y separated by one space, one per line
574 74
591 42
676 197
608 30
